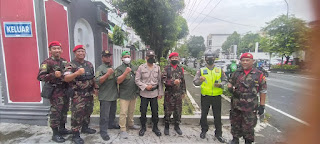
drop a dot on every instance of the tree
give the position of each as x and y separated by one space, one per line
286 35
196 45
233 39
183 51
118 36
157 22
248 42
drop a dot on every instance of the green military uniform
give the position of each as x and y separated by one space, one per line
128 90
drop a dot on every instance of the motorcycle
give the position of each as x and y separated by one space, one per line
264 71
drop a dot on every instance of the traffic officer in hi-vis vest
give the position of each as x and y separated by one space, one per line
211 79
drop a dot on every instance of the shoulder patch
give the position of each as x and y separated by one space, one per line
44 66
217 70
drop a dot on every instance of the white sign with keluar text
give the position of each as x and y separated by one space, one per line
17 29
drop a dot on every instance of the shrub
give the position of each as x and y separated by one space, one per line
138 62
285 66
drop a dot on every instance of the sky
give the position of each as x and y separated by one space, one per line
206 17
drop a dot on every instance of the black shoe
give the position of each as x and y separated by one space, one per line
64 131
116 126
203 135
86 129
142 130
76 138
235 140
248 141
166 128
105 137
177 129
221 139
156 130
56 136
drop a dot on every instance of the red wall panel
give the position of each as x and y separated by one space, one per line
21 53
57 26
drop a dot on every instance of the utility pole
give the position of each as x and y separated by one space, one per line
287 31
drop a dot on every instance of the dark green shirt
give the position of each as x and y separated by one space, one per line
108 89
128 90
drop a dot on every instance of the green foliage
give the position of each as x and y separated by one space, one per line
192 71
163 62
231 40
157 22
138 62
118 36
286 35
196 45
248 42
183 51
285 66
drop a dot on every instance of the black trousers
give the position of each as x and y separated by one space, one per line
215 103
144 108
107 115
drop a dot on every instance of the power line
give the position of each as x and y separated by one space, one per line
195 9
201 11
192 6
207 14
221 20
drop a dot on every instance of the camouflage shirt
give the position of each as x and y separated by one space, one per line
48 68
84 81
246 89
169 74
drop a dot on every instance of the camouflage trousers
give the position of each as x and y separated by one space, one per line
59 107
82 108
243 123
172 104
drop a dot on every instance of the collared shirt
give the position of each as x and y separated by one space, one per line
197 82
108 90
128 90
146 76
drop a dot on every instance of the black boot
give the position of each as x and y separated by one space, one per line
203 135
248 141
177 128
86 129
235 140
63 130
56 136
156 130
76 138
166 128
142 130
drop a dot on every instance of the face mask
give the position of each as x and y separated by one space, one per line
174 62
151 60
126 60
210 61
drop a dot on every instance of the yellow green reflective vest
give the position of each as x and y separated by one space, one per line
207 86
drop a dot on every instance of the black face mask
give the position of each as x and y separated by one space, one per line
151 60
174 62
210 62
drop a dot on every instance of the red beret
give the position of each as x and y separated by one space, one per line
54 43
173 54
78 47
246 55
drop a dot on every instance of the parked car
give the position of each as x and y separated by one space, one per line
221 63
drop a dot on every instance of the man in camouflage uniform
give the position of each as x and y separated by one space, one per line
173 78
128 92
80 74
108 95
245 84
51 72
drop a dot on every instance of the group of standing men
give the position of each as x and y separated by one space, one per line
77 81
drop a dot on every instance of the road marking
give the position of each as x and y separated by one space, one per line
280 111
288 115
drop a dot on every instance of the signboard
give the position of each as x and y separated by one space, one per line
17 29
